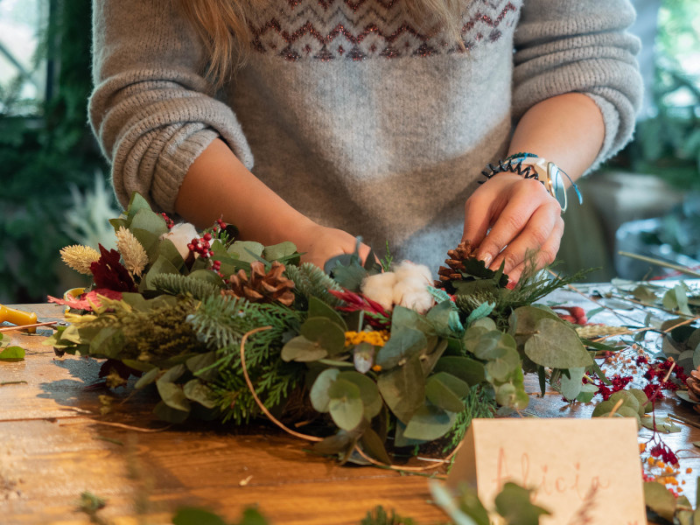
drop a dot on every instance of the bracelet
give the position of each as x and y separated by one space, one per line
512 166
530 166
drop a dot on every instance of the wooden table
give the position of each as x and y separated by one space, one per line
54 444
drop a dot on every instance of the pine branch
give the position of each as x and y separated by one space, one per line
311 281
175 284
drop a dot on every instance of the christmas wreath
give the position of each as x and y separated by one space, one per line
370 357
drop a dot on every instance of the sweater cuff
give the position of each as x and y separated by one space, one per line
175 161
611 119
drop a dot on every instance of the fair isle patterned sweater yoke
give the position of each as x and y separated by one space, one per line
358 115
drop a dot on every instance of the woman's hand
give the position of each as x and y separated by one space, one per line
523 217
320 243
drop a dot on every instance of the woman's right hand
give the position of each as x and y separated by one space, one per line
320 243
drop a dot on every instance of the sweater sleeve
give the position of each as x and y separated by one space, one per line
565 46
151 108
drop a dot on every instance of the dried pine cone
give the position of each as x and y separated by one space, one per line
261 286
455 263
693 383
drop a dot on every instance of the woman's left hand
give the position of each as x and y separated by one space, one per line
523 218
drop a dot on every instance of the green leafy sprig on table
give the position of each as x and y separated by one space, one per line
367 378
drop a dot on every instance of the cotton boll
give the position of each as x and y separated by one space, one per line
409 270
181 235
419 300
413 293
380 288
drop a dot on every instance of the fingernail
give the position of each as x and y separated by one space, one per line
487 259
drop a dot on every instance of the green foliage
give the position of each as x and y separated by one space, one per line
222 322
41 158
175 284
668 143
311 281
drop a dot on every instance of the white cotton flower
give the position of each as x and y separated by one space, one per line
407 286
380 288
407 269
411 288
181 235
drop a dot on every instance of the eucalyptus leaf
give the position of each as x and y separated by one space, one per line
446 391
318 308
197 391
302 350
659 500
429 422
201 366
147 378
403 344
173 395
369 392
403 389
327 334
345 406
571 386
318 395
373 446
279 251
470 371
246 250
555 345
145 219
160 266
503 362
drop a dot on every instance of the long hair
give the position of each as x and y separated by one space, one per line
223 27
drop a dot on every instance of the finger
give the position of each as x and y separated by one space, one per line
477 220
546 254
534 235
513 219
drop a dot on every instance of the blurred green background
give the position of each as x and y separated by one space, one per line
55 188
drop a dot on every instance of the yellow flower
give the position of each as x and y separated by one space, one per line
375 338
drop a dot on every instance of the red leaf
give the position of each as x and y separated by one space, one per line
83 302
109 273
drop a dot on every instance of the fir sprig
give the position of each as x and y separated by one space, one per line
311 281
175 284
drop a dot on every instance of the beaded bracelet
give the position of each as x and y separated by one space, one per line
530 166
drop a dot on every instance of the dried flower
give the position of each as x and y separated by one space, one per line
79 258
131 250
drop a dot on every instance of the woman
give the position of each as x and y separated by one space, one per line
374 117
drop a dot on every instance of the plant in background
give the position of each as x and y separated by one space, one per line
41 157
668 143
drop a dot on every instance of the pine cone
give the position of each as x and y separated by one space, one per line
693 383
261 286
455 263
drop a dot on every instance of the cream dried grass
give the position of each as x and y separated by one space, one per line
79 258
132 251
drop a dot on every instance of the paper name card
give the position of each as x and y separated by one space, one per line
582 470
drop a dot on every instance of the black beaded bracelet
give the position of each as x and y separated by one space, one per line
511 166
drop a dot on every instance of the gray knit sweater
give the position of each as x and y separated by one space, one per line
348 109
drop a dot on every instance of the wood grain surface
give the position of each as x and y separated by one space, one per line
54 444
